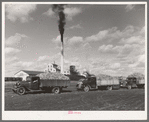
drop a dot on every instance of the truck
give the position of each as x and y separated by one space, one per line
91 82
133 82
35 83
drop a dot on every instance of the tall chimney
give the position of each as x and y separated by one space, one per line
62 54
59 9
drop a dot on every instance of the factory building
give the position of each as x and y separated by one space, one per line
53 67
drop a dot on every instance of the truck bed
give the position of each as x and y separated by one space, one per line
46 83
107 82
142 81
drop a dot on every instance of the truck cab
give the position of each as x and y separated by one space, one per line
135 82
31 83
88 83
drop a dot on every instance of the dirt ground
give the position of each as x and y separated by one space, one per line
71 99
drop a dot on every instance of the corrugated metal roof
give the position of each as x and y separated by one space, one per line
31 72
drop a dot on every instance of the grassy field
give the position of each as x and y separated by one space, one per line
71 99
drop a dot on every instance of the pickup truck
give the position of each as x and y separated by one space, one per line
91 82
34 83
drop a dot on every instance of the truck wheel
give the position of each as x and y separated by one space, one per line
109 88
21 90
56 90
86 88
129 86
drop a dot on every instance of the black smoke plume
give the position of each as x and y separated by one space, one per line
59 10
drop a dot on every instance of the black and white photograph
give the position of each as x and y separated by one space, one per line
74 60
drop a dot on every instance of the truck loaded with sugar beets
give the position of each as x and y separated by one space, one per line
92 82
133 82
53 82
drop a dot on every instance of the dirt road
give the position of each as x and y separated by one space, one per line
71 99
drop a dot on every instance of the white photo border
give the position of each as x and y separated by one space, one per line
63 115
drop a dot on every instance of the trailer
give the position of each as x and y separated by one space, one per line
34 84
108 84
91 82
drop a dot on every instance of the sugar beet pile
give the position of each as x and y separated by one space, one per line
52 76
106 77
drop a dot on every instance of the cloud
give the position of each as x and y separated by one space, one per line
22 65
49 12
73 44
141 58
125 50
86 46
57 41
115 66
13 64
106 48
122 50
16 39
101 62
98 37
11 59
43 58
142 30
75 26
113 34
19 12
134 39
47 58
139 62
70 12
129 7
27 64
12 51
75 41
66 61
127 58
129 44
104 65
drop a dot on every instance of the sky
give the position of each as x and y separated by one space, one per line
103 39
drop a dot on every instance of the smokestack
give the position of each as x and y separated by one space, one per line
59 10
